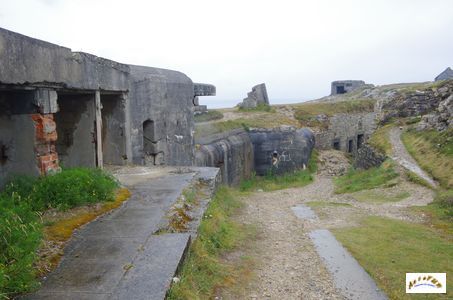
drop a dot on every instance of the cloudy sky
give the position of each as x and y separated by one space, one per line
296 47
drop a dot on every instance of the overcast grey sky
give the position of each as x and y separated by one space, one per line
296 47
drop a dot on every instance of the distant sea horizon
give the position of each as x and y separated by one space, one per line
212 102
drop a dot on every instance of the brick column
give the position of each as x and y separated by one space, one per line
46 131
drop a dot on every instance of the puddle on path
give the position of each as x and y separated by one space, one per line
349 277
304 212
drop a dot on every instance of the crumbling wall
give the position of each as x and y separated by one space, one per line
346 132
368 157
258 96
232 152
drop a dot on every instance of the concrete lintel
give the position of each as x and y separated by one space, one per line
203 89
46 100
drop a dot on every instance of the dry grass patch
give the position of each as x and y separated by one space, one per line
380 139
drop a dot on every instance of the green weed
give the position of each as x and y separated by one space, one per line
357 180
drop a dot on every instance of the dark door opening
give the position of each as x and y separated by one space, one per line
350 146
336 145
360 139
340 89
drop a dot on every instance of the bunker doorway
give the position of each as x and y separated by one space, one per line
75 122
113 129
350 146
360 139
340 89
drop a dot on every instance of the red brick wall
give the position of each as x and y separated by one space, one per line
46 136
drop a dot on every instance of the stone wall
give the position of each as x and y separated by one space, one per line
413 103
258 96
368 157
346 132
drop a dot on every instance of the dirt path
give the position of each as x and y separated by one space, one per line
401 156
287 264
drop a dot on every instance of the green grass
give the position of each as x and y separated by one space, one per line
433 151
273 182
203 270
373 196
21 229
306 112
380 139
388 249
259 107
357 180
412 177
208 116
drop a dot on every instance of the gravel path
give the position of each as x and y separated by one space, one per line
287 265
401 156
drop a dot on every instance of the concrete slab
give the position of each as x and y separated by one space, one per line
153 270
349 277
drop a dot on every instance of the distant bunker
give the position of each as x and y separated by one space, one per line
345 86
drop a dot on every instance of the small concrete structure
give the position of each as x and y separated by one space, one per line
257 96
446 74
59 107
345 86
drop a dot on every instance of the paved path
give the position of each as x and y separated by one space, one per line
119 256
401 156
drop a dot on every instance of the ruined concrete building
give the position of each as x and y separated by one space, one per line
64 108
258 96
446 74
345 86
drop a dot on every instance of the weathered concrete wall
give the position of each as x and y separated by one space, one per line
258 96
171 95
368 157
239 153
163 98
17 155
281 150
27 60
114 129
232 152
346 131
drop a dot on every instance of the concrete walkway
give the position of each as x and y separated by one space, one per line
119 256
401 156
